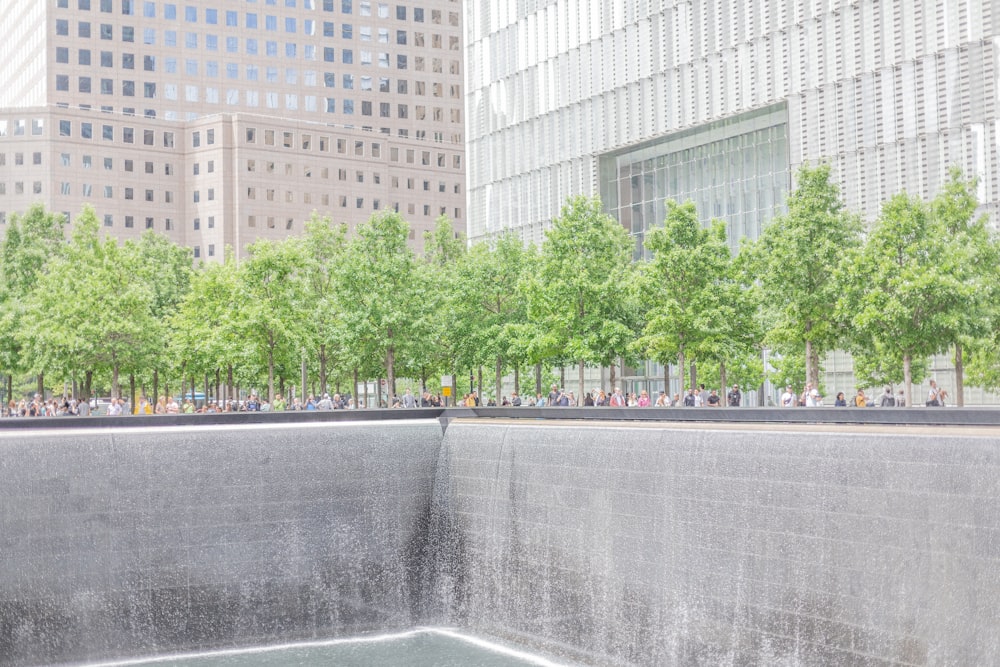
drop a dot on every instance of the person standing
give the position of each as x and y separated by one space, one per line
887 400
144 407
617 400
788 397
734 398
409 400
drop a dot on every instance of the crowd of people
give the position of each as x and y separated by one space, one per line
694 397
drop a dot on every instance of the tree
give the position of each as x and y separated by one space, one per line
902 288
694 308
31 242
164 268
87 311
487 306
378 287
204 333
325 246
441 283
793 262
581 299
272 313
954 208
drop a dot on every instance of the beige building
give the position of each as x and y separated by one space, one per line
218 123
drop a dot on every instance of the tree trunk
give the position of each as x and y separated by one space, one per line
810 371
354 388
583 389
305 380
390 375
131 391
230 394
88 384
538 378
115 389
694 374
908 379
681 368
562 377
666 380
454 386
270 374
322 369
156 387
206 388
722 379
41 385
10 387
612 378
959 377
517 379
499 379
479 385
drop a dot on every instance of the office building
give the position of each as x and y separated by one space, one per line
218 123
720 102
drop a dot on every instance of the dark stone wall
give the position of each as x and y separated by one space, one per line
613 543
661 546
125 542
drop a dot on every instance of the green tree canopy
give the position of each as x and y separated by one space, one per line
694 308
793 263
581 297
902 289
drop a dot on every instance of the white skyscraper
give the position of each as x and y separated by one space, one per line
720 101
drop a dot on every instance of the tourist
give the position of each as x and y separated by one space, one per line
279 404
788 397
714 400
933 396
409 400
861 401
144 407
887 400
812 397
617 399
662 401
172 407
734 398
840 401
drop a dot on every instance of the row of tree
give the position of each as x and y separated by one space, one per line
330 309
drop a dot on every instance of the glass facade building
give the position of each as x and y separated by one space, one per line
735 170
891 94
720 102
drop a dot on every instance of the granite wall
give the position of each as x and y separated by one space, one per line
606 543
668 546
126 542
